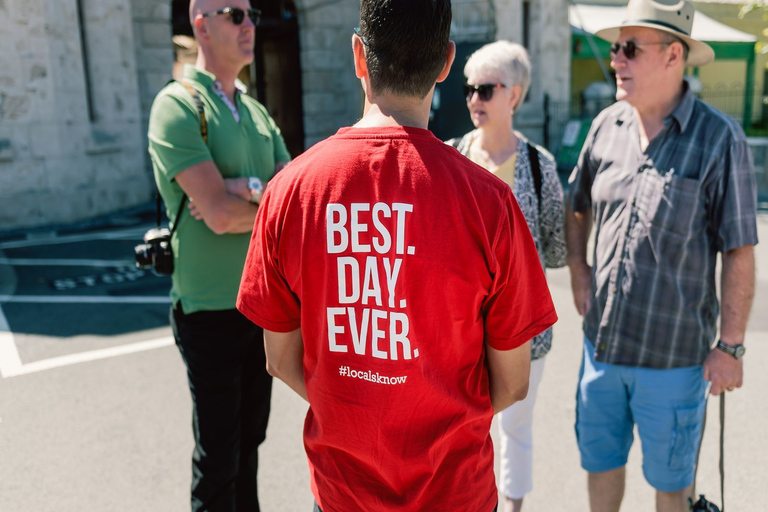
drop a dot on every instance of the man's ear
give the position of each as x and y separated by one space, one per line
676 55
450 55
358 50
201 28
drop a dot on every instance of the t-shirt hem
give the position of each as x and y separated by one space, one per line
535 328
266 323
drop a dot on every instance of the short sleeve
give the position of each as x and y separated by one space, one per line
264 296
735 214
175 141
519 305
580 181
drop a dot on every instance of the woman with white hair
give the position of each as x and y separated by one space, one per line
498 77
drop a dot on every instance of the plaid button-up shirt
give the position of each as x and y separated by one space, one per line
661 216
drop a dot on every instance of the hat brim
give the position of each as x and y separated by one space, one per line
699 54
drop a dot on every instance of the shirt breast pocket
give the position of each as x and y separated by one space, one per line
672 203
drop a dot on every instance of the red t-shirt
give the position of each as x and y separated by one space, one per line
398 258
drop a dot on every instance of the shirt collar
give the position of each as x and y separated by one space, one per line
208 80
683 111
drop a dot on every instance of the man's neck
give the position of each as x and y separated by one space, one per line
652 117
389 110
225 75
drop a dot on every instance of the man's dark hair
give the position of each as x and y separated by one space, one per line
405 44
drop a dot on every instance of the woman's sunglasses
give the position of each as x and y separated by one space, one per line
484 91
237 15
630 48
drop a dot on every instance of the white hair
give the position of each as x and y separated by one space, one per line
507 62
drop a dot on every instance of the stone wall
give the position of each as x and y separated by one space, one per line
60 162
153 54
333 96
550 52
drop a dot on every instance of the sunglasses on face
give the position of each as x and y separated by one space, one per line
484 91
237 15
630 48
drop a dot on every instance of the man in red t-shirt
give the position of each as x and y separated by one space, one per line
398 285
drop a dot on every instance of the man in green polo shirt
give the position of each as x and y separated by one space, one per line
219 178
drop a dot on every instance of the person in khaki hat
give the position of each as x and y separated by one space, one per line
667 182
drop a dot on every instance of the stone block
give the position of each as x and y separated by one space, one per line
46 142
69 172
157 35
15 108
6 150
323 15
319 125
322 103
155 59
21 176
156 10
318 37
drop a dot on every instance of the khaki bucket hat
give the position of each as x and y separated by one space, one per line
672 16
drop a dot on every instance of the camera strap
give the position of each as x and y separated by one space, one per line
204 134
722 451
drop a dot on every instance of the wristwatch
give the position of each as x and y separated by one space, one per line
737 351
257 189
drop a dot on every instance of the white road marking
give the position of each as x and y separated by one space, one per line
10 363
85 299
93 355
64 262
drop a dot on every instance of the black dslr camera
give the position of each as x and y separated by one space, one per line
156 252
702 505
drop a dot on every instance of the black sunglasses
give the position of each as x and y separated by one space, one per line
484 91
630 48
237 15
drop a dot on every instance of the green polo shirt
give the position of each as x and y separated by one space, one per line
207 266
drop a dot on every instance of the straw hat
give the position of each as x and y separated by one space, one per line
672 16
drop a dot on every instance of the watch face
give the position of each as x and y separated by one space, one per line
738 353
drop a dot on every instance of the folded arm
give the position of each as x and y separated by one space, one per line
217 201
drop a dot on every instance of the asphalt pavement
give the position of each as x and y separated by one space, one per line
95 414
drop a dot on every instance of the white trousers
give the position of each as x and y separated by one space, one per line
515 428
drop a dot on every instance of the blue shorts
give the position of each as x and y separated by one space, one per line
666 405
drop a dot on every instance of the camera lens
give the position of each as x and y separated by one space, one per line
144 253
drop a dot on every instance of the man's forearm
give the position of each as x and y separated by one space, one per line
508 375
738 292
285 358
577 228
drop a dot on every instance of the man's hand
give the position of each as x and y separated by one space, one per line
577 228
581 286
238 187
724 371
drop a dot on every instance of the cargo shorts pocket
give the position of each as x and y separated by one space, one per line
685 437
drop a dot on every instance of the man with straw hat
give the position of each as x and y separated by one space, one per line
668 183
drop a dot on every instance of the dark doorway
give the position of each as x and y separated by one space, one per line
278 71
275 77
